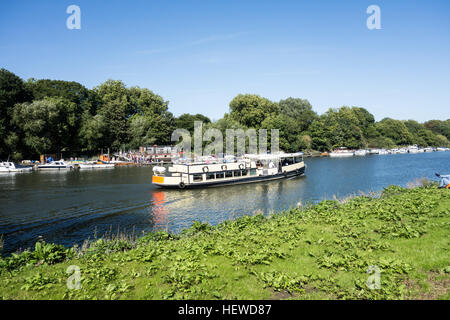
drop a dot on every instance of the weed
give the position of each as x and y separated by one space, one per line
321 250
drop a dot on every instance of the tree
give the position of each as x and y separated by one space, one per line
93 132
115 108
44 125
250 110
366 122
395 130
186 121
441 141
151 123
320 135
439 127
70 90
12 91
300 111
145 101
343 127
278 122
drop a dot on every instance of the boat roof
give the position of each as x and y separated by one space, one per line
270 156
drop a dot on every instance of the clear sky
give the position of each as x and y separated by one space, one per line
200 54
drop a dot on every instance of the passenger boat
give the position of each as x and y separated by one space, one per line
248 169
55 165
6 167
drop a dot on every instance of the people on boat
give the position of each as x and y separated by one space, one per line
259 164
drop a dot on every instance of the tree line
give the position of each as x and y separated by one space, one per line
53 116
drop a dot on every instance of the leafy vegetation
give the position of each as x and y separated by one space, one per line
53 116
323 251
43 253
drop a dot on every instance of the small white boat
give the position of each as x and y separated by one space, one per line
6 167
83 166
341 152
383 152
55 165
428 149
360 153
413 149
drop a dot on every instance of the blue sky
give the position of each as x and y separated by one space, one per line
200 54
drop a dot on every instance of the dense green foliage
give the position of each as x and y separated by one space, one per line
323 251
53 116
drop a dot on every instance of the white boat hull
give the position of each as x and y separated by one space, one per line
9 167
55 165
95 166
340 154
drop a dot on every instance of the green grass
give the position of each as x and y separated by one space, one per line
317 252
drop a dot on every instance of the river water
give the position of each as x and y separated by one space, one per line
69 207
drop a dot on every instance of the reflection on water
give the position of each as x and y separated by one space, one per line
176 209
70 206
160 210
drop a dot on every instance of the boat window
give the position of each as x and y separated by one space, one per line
244 172
210 176
298 159
228 174
288 161
253 172
220 175
198 177
237 173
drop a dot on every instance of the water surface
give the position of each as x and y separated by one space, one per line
69 207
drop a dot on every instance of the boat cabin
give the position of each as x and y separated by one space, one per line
242 170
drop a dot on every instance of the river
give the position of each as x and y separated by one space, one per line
69 207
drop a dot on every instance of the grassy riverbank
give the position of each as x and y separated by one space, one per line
316 252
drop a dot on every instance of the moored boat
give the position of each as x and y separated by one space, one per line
413 149
248 169
55 165
83 166
95 165
342 152
6 167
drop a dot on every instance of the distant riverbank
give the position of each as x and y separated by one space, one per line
322 251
